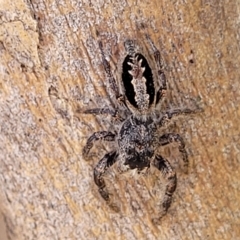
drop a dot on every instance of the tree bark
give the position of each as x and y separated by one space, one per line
51 67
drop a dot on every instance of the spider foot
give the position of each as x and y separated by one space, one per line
104 193
106 196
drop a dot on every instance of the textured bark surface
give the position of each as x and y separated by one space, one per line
50 66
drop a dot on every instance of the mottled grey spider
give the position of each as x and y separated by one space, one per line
136 140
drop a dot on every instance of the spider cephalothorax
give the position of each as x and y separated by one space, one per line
137 140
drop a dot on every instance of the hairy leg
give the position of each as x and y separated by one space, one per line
107 68
99 111
169 174
174 137
107 161
162 78
167 116
104 135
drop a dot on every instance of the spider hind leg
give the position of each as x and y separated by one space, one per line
170 176
161 75
103 165
107 68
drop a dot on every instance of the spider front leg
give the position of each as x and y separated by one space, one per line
104 135
173 137
167 116
99 111
170 176
106 162
161 75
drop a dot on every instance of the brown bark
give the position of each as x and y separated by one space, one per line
47 191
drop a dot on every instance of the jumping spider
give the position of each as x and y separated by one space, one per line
137 139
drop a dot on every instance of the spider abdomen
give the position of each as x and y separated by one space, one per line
138 81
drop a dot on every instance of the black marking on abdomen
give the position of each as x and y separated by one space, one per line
127 78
